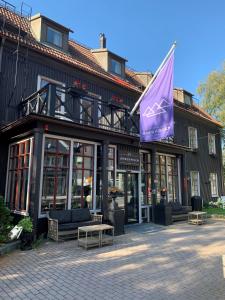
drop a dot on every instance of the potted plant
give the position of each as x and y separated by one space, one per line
26 236
114 192
116 215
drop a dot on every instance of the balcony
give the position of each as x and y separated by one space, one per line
81 107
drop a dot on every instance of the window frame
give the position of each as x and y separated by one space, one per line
198 178
72 141
147 172
115 63
55 32
212 151
20 212
190 128
58 83
216 181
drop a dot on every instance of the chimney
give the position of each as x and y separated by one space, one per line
102 40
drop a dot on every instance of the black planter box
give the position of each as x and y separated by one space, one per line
26 240
116 218
196 203
163 214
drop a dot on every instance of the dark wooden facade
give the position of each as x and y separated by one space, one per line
17 126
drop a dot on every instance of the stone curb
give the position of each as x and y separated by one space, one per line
9 247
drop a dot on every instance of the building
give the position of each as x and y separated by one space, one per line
66 135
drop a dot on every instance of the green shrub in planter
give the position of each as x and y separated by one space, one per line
26 224
5 221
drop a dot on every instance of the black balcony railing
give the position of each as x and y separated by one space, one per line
78 106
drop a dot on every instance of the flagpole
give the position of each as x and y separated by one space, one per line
153 78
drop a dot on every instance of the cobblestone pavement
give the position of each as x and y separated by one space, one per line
180 262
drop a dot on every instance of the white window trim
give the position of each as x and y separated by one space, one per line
140 205
214 143
214 195
196 136
59 83
72 141
24 213
199 192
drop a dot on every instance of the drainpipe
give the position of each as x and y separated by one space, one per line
1 52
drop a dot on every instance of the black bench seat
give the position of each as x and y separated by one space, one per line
66 222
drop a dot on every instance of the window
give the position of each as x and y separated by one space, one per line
19 175
99 177
195 184
167 177
172 177
55 174
60 95
86 111
212 143
213 184
83 175
116 67
54 37
145 178
111 166
187 99
193 139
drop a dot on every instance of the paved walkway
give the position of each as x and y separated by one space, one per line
177 263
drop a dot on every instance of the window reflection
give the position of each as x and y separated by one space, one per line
55 174
83 176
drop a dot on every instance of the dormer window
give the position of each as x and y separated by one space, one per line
50 33
54 37
116 67
187 99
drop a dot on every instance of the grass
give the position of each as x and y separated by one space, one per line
214 211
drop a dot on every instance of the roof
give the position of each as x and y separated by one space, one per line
80 57
37 16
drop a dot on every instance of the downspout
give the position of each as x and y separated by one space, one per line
1 52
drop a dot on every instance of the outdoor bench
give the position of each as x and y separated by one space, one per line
65 223
180 212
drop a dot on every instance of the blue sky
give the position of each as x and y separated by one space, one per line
143 31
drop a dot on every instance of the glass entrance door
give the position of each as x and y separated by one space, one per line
131 209
128 199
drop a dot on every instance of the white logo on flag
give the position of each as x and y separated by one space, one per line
156 109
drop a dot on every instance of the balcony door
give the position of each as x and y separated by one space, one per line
128 199
60 94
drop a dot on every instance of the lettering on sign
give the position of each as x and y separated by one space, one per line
128 158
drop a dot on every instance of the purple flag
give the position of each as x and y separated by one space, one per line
156 108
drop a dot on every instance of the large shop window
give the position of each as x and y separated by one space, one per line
195 183
55 174
213 184
145 178
83 175
111 166
167 177
172 177
19 175
99 178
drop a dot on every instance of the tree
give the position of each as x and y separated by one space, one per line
212 93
